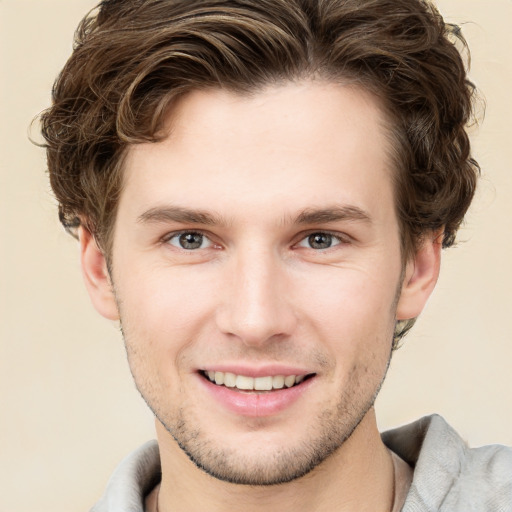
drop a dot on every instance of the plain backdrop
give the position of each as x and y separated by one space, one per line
68 409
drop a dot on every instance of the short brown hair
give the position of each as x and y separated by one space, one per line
132 58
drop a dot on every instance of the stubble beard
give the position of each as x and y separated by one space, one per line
330 431
334 425
326 435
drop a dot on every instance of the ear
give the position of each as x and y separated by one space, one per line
421 273
96 275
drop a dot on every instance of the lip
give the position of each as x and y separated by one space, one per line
252 403
258 371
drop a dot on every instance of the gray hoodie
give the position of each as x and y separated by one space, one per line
448 476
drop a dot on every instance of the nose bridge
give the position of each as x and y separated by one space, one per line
255 306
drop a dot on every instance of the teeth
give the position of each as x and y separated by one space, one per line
245 383
289 381
278 382
263 383
229 380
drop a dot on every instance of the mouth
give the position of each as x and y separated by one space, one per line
262 384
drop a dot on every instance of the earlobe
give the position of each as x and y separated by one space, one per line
421 273
96 275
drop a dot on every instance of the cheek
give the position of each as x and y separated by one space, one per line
163 310
351 312
347 298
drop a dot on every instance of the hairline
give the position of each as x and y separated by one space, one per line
388 122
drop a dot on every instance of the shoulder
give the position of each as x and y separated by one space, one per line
486 475
448 474
132 480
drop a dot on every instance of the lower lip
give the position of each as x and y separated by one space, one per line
256 404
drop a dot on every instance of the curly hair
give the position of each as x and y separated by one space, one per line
133 58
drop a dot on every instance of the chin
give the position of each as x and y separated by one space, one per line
262 458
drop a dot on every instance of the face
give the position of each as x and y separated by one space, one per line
257 274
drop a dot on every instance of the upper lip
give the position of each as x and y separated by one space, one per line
271 370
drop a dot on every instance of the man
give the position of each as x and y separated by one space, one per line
261 190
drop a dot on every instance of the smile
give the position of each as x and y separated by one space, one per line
245 383
256 395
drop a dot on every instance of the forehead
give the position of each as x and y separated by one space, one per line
307 143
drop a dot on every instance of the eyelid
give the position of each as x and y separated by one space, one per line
169 236
341 237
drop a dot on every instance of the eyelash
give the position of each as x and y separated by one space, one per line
167 239
340 239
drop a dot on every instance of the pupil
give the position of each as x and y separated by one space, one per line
320 240
191 240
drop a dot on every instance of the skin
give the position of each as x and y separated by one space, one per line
257 293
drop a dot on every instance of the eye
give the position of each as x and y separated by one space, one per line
319 241
189 240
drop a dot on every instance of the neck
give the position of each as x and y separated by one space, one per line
358 477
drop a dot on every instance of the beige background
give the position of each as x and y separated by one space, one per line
68 408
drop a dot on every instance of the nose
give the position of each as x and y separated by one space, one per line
255 305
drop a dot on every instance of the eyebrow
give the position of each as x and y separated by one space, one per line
332 214
180 215
307 216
